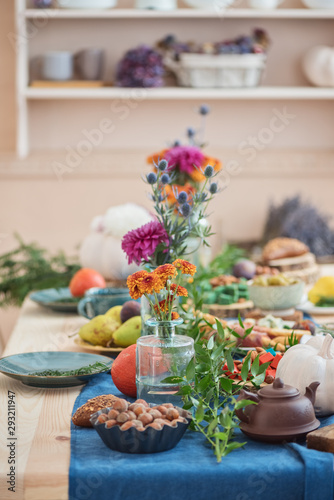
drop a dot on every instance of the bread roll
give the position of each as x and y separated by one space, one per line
281 248
82 415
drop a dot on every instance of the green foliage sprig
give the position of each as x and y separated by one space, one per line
30 267
212 396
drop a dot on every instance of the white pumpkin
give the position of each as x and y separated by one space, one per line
101 249
303 364
318 65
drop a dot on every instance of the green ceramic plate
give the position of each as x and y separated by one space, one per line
20 366
57 299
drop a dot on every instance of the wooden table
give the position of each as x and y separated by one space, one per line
42 416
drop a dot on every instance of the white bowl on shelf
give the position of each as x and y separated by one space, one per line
319 4
216 5
156 4
87 4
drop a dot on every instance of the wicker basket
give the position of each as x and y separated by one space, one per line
218 71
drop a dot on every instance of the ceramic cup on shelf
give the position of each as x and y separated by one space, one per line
156 4
89 64
264 4
57 65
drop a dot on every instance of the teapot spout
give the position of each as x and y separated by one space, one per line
311 391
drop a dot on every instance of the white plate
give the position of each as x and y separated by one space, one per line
310 308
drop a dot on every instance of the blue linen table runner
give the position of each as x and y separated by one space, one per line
190 471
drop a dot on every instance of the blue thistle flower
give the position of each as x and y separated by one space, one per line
213 188
209 171
151 178
182 198
191 132
176 144
186 209
204 110
165 179
162 165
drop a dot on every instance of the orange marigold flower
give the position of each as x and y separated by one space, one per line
185 266
133 282
166 271
180 290
163 306
150 283
175 315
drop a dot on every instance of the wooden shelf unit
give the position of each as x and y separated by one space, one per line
27 95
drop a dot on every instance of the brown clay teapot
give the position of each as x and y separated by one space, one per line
282 413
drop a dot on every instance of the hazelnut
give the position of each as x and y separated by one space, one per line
146 418
137 423
168 405
155 413
156 426
172 414
113 414
122 417
126 426
162 409
110 423
131 414
139 409
160 421
120 405
102 418
142 402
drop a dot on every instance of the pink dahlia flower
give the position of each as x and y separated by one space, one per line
139 244
184 158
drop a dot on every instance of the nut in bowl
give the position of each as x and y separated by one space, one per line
140 428
276 292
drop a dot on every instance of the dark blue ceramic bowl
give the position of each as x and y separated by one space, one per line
99 300
133 441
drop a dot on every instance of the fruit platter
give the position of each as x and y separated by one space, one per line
111 332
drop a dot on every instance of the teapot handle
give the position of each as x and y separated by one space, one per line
240 413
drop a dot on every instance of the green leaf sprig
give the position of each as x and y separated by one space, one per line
212 396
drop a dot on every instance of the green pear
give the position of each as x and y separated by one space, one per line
128 333
115 313
99 331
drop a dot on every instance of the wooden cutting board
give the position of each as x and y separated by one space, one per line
321 439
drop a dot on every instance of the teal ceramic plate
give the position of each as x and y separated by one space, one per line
20 366
57 299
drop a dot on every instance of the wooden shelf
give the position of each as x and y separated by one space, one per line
165 93
325 14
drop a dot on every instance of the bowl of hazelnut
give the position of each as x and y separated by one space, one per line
139 427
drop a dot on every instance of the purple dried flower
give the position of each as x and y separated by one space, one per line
140 67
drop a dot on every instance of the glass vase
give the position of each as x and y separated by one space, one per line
159 356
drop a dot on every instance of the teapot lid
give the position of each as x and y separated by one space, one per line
278 390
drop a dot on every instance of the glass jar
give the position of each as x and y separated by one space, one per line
159 356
